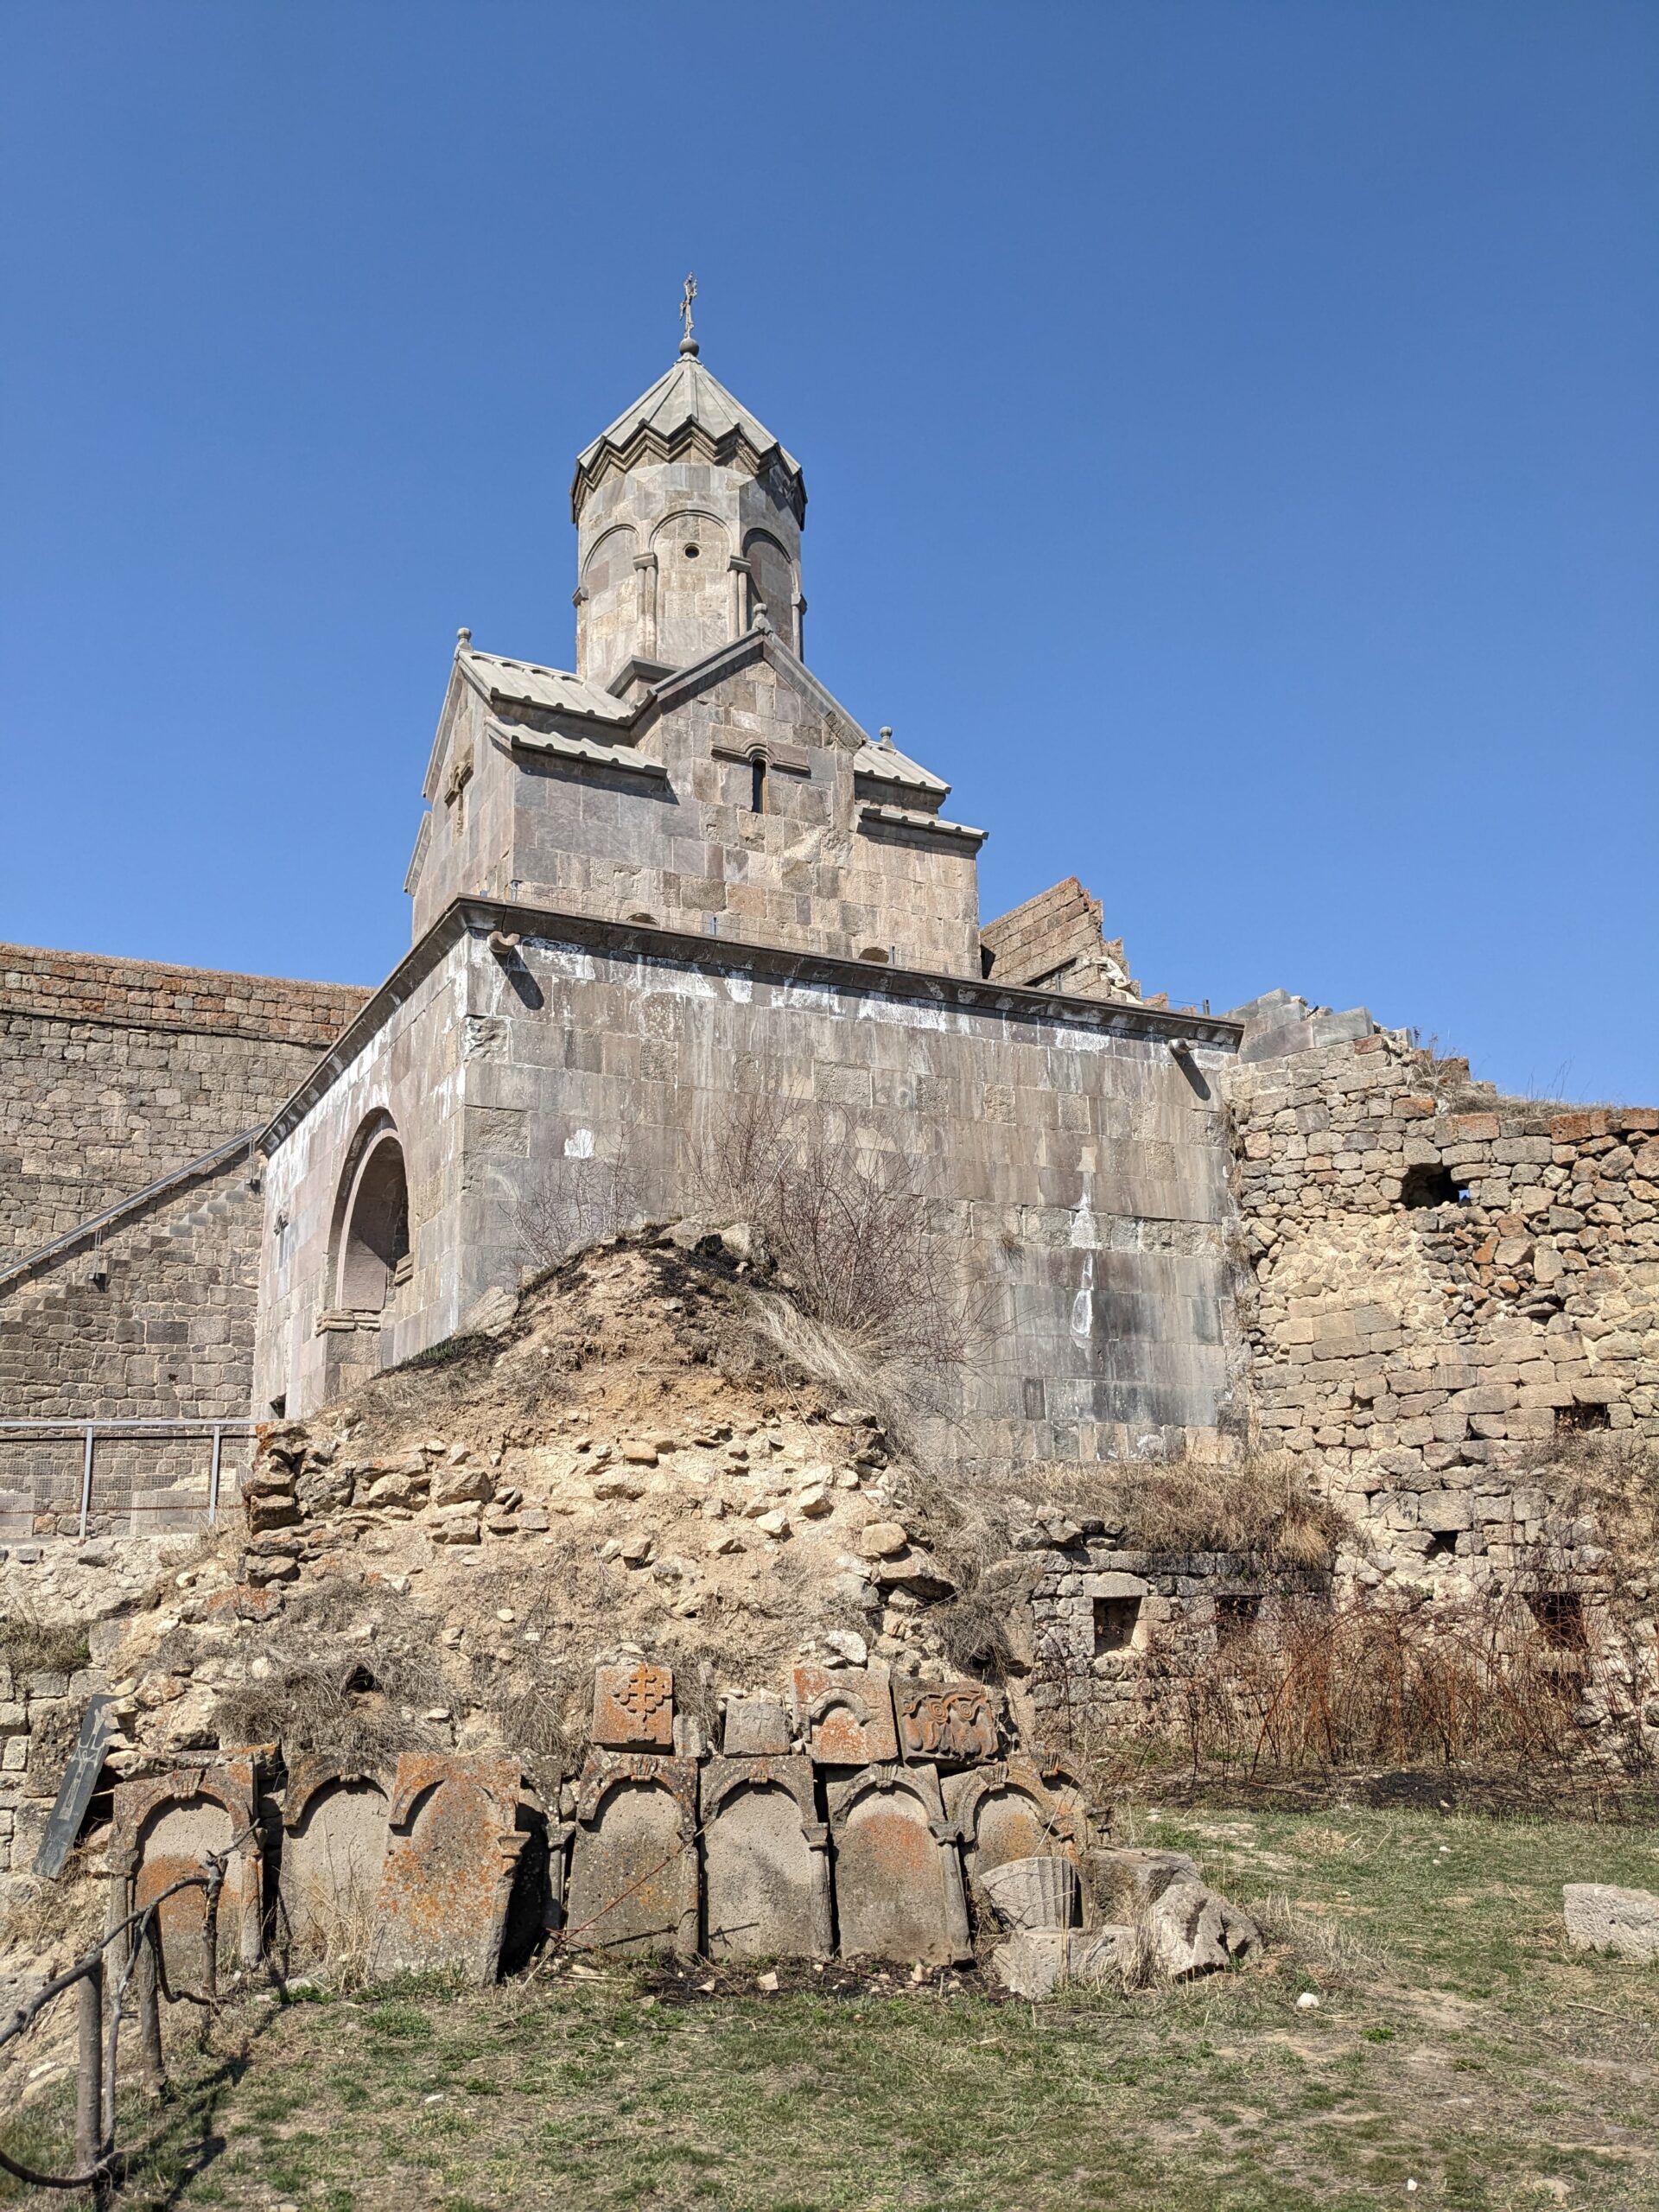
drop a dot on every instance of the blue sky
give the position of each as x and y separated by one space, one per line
1230 431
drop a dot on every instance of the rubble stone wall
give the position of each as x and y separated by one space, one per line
1446 1281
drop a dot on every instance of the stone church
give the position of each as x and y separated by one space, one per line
680 874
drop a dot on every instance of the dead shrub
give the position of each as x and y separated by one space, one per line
568 1204
29 1645
853 1232
1382 1681
1610 1477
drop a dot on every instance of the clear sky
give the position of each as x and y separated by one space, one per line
1229 429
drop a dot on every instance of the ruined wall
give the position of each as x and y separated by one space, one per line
114 1072
1445 1283
1079 1166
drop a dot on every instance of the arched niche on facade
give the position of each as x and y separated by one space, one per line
693 586
371 1237
771 584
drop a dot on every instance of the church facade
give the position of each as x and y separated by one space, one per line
681 875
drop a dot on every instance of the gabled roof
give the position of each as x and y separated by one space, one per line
889 765
525 683
686 411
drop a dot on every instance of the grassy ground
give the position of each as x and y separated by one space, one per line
1455 2044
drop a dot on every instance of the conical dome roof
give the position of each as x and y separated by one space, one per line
688 411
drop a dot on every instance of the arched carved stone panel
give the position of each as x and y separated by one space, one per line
766 1873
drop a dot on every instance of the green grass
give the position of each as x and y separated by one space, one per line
1456 2043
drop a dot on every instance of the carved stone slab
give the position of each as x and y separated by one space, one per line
756 1727
633 1881
899 1891
952 1723
845 1714
765 1857
454 1844
1015 1809
336 1822
164 1830
633 1707
76 1789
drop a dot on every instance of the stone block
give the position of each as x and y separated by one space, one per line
755 1728
1035 1962
1446 1512
633 1882
765 1855
453 1848
633 1707
1602 1918
845 1714
336 1827
952 1723
899 1890
166 1828
1014 1809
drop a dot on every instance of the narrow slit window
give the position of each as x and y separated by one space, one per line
757 786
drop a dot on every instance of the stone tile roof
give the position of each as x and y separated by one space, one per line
524 681
891 767
686 407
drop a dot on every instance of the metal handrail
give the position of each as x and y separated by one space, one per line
96 1224
219 1426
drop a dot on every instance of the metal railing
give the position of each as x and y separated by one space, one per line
88 1432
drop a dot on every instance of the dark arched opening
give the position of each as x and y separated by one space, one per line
374 1239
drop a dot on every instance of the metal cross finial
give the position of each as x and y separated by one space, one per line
688 343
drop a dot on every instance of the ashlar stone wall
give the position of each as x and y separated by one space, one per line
1079 1167
843 856
115 1072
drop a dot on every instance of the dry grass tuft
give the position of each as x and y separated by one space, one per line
29 1645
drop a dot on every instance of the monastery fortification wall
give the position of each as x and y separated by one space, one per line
115 1072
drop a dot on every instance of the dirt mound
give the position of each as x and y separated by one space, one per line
625 1460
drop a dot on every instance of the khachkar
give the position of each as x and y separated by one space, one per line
870 1818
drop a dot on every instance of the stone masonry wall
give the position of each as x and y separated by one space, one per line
1446 1281
115 1072
1079 1166
162 1328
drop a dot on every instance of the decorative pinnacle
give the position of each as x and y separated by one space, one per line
463 637
689 345
886 735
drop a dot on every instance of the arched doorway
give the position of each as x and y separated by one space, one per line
373 1239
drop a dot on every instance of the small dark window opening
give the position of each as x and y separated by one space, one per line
987 960
757 786
692 551
279 1407
1115 1623
1560 1614
1237 1616
1576 1421
1443 1544
1431 1186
